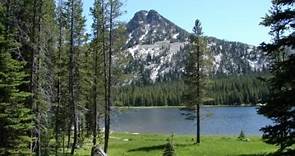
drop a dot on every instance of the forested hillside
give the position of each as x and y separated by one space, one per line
223 90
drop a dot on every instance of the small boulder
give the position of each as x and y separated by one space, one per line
96 151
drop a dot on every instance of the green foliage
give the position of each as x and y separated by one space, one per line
195 76
15 118
281 102
223 90
242 135
169 149
238 89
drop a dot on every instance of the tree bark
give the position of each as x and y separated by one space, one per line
71 79
108 108
198 93
98 29
39 116
58 80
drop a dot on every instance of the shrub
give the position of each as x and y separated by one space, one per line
242 135
169 148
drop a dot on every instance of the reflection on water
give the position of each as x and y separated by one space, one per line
214 121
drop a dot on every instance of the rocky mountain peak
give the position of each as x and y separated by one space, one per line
159 49
148 27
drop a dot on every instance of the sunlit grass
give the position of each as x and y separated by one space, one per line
126 144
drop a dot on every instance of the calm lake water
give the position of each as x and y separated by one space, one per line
214 121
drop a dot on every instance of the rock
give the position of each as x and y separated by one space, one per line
247 140
125 139
96 151
135 133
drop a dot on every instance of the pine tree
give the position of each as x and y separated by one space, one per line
57 69
75 25
169 148
98 46
113 13
46 48
281 102
15 117
196 71
63 112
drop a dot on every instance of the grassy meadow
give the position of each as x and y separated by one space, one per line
128 144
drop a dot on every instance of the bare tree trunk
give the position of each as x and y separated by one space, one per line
198 93
69 133
104 67
33 71
95 97
36 33
39 117
71 79
108 106
63 144
95 100
57 132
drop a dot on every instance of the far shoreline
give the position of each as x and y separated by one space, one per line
176 134
204 106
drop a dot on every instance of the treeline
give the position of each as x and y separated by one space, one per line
238 89
223 90
56 80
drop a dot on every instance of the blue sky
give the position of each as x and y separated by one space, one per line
233 20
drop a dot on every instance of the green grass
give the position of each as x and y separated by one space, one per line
153 145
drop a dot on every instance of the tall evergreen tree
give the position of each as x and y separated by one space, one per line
281 102
113 13
196 71
98 44
57 69
75 25
109 84
15 117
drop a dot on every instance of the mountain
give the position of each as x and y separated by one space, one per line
158 48
149 27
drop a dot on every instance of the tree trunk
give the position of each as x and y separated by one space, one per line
198 93
63 143
95 86
58 81
35 37
108 108
57 132
69 133
71 79
39 117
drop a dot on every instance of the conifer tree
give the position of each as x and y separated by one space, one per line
113 13
15 117
196 71
169 148
281 102
75 25
99 50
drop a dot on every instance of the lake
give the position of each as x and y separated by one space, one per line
214 121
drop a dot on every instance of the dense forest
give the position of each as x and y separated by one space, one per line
56 80
223 90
